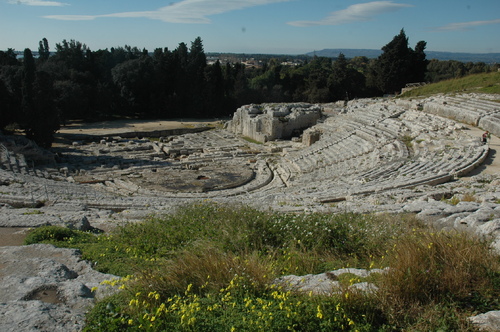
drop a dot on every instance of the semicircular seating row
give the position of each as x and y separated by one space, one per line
365 150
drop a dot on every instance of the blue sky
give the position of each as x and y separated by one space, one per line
253 26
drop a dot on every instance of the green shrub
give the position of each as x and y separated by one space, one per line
309 242
57 235
108 315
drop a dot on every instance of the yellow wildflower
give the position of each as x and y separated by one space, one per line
319 314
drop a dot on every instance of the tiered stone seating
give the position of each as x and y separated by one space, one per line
371 146
369 156
471 109
473 104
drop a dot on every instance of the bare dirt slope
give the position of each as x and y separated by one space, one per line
120 126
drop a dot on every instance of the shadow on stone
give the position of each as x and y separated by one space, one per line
47 294
487 162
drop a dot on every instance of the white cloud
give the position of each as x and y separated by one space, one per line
38 3
185 11
355 13
466 25
71 17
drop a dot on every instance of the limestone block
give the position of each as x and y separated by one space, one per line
491 123
273 121
489 321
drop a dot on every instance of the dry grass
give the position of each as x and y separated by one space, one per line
437 267
207 267
469 197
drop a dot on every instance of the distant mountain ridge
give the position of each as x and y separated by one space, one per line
369 53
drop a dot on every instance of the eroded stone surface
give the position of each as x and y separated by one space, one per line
44 288
328 283
489 321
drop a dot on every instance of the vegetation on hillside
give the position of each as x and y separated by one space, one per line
481 83
211 267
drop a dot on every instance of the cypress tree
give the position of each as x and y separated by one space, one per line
399 64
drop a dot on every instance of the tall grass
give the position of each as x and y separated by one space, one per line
428 266
211 267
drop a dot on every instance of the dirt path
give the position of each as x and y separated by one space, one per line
12 236
492 163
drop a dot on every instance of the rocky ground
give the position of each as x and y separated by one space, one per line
44 288
375 155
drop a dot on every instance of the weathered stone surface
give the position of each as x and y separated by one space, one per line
315 283
311 136
44 288
268 122
489 321
35 217
326 283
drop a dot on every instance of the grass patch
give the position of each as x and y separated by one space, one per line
449 273
485 83
452 201
251 140
467 197
34 212
210 267
59 236
408 141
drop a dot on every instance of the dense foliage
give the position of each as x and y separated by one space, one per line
210 267
38 94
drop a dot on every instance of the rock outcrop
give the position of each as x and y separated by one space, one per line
328 283
44 288
488 322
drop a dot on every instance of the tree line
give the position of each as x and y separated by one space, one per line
38 94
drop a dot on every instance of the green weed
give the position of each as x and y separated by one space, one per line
408 141
57 235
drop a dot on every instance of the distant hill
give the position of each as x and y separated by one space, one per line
463 57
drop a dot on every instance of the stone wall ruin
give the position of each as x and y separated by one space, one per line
267 122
